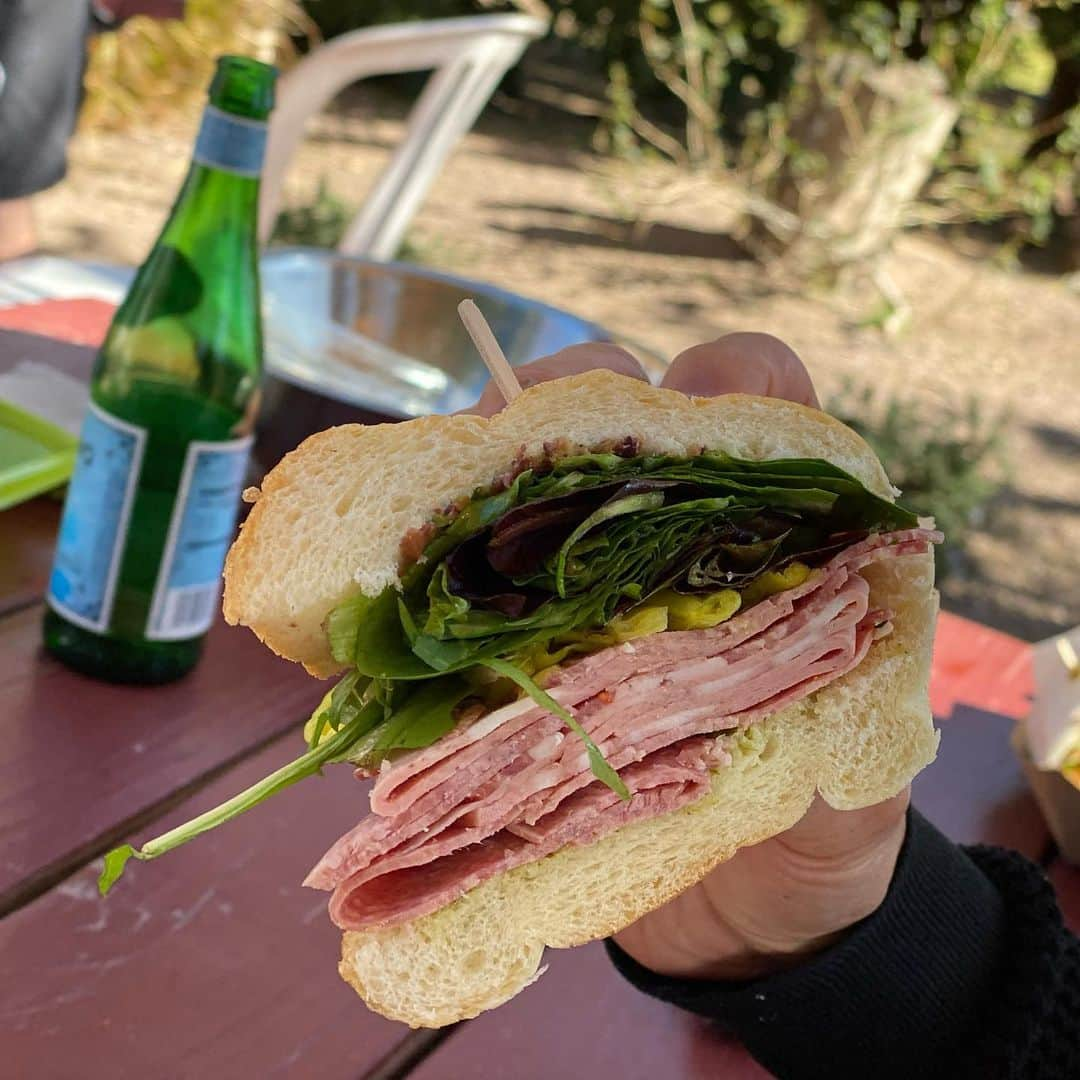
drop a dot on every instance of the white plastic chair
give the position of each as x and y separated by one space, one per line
469 57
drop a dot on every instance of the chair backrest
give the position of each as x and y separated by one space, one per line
469 57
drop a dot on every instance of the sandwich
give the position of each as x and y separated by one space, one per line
586 650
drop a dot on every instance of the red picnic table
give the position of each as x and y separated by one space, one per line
215 962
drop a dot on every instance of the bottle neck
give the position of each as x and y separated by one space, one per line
210 200
223 180
197 294
231 144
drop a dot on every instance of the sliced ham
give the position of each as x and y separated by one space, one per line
515 785
407 889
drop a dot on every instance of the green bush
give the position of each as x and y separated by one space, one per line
712 82
1012 65
322 223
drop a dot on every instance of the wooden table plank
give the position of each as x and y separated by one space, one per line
582 1019
80 759
17 347
210 962
975 791
27 538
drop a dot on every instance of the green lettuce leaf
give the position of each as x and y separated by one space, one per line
632 504
425 717
817 490
380 647
443 605
655 523
852 500
344 623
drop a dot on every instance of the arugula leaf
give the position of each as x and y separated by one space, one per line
334 749
115 861
425 717
632 504
597 762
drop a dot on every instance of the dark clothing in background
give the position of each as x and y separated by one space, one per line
42 59
966 970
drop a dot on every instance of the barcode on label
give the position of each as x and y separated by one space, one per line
187 612
201 525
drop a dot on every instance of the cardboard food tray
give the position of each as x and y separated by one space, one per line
1057 798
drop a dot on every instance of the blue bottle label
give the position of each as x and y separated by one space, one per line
94 525
234 144
200 530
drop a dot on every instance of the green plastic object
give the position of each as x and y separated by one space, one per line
35 456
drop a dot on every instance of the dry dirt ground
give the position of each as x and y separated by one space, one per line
526 204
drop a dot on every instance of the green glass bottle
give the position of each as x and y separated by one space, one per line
152 504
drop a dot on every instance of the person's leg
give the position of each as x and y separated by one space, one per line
42 58
17 233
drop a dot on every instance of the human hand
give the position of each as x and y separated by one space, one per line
776 903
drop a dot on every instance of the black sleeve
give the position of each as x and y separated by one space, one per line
966 969
42 59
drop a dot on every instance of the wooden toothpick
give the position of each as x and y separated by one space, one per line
489 350
1068 657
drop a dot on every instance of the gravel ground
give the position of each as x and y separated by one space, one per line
526 204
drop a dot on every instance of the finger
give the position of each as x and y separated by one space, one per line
744 363
825 833
569 361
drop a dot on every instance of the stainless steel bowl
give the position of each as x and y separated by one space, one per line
387 337
351 339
